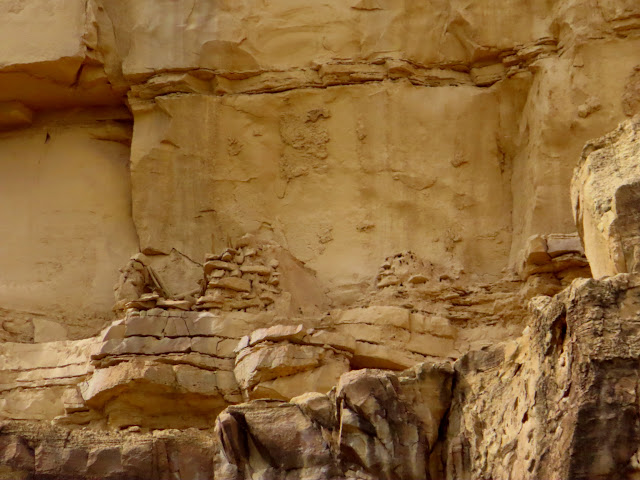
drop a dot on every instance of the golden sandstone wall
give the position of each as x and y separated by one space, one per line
345 131
378 183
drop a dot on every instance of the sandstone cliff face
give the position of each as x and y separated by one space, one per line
345 133
605 201
307 240
559 402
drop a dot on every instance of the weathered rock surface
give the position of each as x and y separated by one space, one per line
449 130
371 427
62 244
32 451
144 370
368 428
606 197
560 402
310 211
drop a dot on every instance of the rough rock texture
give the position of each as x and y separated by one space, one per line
271 239
146 369
48 452
449 130
560 402
606 197
371 426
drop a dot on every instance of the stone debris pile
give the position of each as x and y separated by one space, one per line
240 279
141 288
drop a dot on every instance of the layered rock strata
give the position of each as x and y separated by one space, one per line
385 187
449 131
173 358
372 426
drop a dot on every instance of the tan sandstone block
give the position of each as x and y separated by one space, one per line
368 355
148 325
320 380
391 316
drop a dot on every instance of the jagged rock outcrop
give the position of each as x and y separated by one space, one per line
560 402
605 194
384 186
376 424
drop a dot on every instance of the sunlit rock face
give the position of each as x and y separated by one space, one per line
264 239
605 194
